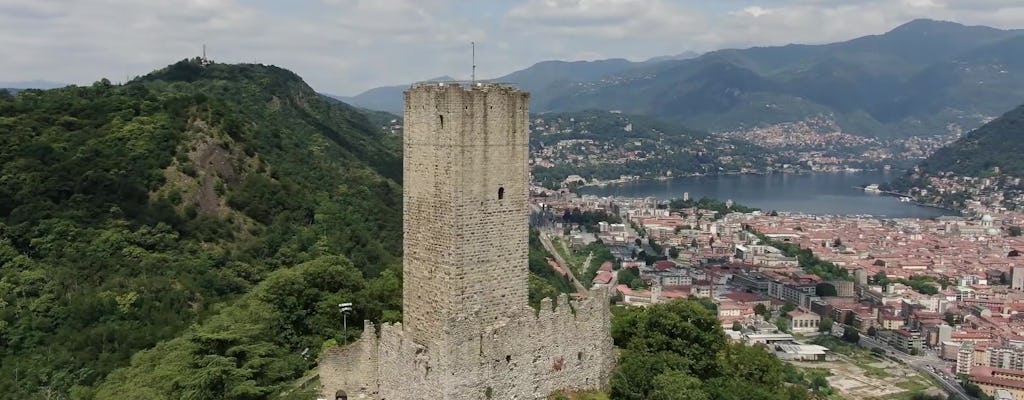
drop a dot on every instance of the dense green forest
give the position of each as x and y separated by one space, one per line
677 350
182 208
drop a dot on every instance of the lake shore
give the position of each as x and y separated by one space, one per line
818 193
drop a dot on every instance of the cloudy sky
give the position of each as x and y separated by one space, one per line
346 46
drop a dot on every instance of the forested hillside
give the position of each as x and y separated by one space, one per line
998 143
223 210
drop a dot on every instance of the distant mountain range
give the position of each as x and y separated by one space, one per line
34 84
922 78
539 79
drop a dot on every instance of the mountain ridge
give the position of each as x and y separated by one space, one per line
919 78
996 144
152 212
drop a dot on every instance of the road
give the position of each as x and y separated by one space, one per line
546 242
930 365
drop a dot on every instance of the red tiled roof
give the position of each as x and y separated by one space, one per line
603 277
744 297
664 265
987 375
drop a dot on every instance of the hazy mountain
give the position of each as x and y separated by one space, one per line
686 55
385 98
996 144
915 79
33 84
542 80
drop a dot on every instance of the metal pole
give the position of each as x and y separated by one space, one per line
345 308
473 75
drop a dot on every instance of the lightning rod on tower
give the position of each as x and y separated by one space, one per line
472 76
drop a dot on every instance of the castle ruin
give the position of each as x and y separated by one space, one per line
467 330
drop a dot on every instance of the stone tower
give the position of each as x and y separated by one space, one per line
468 331
465 205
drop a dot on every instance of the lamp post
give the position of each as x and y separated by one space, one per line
345 309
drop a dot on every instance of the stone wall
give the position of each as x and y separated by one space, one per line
527 357
352 368
467 331
465 205
530 357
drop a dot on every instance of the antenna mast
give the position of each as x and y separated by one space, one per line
473 74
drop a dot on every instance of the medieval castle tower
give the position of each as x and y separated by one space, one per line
467 331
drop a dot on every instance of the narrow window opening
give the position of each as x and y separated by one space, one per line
501 193
441 118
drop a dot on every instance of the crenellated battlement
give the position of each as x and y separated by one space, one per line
467 330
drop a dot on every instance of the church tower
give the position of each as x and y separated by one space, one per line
465 206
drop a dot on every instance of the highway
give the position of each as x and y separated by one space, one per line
929 363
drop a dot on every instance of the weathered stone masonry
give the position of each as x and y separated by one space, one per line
467 332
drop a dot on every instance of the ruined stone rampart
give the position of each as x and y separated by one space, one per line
526 357
351 369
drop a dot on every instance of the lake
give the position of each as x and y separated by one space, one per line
818 193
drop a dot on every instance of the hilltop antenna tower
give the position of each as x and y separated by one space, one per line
472 75
205 61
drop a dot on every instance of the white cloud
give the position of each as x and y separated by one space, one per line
344 46
756 11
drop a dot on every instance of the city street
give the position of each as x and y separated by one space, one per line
928 363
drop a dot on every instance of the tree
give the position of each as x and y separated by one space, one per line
681 344
751 363
825 325
825 289
638 242
851 335
880 279
760 309
675 385
872 331
773 213
974 390
879 263
737 326
1015 231
789 306
782 323
953 319
680 335
673 252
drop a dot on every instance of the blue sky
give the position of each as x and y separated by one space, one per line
346 46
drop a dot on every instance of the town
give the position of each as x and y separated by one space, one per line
993 193
943 296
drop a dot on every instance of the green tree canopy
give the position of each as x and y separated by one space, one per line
681 344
